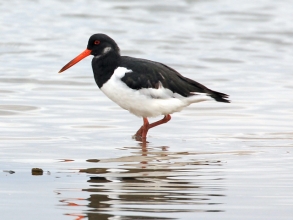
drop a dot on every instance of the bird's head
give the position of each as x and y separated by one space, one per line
98 45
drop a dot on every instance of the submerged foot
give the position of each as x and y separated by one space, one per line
142 132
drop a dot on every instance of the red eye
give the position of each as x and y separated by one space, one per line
97 42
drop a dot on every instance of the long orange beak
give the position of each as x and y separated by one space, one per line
81 56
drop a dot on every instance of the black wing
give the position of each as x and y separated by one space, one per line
149 74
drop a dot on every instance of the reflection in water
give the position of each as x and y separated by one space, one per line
151 183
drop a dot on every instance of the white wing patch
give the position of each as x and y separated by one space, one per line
120 72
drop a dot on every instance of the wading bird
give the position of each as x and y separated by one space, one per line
145 88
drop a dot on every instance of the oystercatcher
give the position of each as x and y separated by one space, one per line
145 88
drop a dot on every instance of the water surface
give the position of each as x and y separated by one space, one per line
211 161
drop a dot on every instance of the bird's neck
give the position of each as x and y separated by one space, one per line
104 66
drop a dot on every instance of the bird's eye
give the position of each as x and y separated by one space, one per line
97 42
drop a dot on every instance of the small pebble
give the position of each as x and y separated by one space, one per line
37 171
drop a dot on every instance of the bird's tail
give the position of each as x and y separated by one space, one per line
218 96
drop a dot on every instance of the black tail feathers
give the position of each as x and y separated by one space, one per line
220 97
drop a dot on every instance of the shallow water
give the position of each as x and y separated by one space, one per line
211 161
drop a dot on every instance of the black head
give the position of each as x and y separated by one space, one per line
101 44
98 45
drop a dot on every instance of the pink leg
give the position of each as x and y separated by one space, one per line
162 121
142 132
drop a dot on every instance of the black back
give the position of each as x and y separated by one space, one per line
149 74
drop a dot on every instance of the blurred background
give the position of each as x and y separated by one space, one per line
211 161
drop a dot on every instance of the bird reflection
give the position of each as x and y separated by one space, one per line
148 184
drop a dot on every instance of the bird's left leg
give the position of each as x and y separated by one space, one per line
162 121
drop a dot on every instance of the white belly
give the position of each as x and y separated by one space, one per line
141 102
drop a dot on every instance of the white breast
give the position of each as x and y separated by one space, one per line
145 102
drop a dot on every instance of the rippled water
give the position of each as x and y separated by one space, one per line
211 161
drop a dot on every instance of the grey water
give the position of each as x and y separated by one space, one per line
211 161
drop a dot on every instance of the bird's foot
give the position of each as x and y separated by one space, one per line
139 132
139 138
140 135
